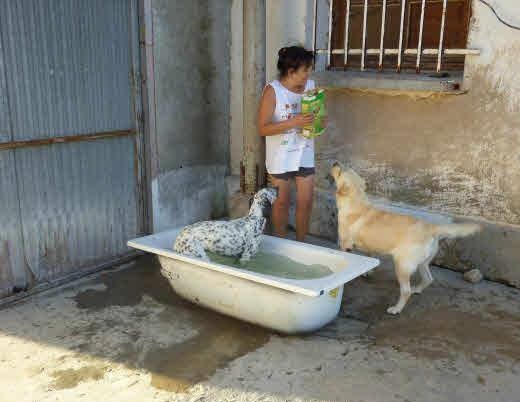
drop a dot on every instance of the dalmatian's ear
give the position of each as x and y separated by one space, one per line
272 193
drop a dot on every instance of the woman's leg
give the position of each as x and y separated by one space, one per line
304 194
280 210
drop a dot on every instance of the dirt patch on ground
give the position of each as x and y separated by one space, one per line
127 287
178 367
70 378
446 334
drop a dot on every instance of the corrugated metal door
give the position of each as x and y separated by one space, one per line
70 181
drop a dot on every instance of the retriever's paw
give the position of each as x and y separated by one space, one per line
417 290
393 310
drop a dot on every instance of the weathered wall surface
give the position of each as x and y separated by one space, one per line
455 155
236 102
191 67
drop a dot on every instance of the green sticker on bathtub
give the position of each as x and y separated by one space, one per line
334 292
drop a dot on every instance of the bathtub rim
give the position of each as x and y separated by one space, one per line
308 287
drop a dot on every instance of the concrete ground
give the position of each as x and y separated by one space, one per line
125 336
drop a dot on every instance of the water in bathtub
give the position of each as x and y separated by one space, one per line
274 265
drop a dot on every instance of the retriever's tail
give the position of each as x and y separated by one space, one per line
453 230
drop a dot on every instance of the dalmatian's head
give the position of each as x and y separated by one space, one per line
262 202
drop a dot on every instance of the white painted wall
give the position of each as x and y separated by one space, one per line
499 49
289 22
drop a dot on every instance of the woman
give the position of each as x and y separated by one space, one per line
288 154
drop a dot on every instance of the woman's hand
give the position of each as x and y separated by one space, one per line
302 120
265 124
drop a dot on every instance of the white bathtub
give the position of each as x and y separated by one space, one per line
285 305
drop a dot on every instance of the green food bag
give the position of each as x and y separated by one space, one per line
314 102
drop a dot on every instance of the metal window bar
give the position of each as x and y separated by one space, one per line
364 42
382 51
441 39
347 27
407 52
331 5
381 46
419 43
401 31
314 26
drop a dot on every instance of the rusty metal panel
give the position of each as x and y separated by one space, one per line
78 204
12 266
67 73
5 131
68 66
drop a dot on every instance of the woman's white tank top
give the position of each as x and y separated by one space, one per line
289 151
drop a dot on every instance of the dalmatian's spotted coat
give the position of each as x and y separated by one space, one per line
235 238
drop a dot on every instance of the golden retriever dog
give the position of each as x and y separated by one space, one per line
411 242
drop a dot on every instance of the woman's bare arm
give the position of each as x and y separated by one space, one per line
265 124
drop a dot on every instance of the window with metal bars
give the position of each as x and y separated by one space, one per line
418 35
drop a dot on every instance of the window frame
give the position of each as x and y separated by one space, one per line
443 54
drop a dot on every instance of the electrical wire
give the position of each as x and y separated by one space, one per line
498 16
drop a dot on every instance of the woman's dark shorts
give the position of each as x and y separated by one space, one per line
302 172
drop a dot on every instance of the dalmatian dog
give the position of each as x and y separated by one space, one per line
235 238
